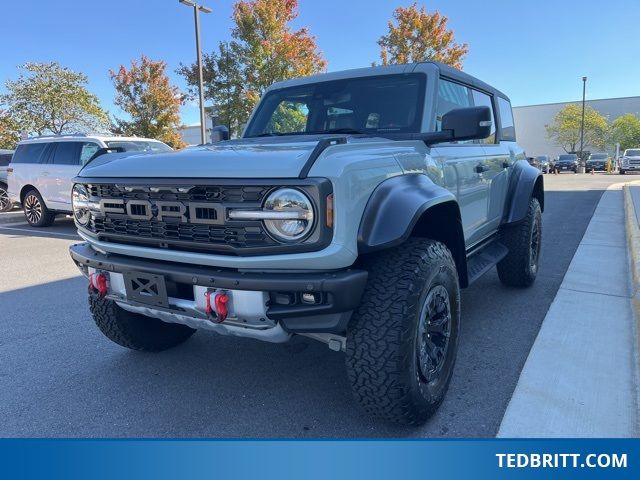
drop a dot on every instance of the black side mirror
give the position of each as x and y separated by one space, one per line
468 123
219 133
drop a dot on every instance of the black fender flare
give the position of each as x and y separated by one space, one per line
526 181
394 208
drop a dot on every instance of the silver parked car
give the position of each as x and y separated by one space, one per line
43 168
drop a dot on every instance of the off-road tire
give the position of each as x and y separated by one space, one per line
35 210
5 203
135 331
520 267
382 338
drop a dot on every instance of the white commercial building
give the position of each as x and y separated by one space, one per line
531 121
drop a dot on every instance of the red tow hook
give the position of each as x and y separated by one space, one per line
98 284
220 300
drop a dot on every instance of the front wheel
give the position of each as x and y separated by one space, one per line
520 267
5 203
35 211
135 331
403 339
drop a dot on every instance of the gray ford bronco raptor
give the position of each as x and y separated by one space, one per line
353 209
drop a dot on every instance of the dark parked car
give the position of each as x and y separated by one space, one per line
5 159
567 163
597 162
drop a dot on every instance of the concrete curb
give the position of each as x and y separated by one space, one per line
581 377
633 242
11 217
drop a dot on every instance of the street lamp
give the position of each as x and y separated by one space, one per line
584 88
196 10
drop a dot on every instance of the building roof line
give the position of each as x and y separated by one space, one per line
576 101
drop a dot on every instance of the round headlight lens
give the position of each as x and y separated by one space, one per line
297 212
79 199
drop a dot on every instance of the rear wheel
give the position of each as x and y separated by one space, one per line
35 211
622 172
135 331
520 267
403 339
5 203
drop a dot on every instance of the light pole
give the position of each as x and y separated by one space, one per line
196 15
584 89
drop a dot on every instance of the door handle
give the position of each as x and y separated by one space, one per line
45 174
481 168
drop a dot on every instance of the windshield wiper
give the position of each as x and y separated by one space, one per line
354 131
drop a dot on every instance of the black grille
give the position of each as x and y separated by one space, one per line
208 193
228 237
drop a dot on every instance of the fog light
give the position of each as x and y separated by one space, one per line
311 298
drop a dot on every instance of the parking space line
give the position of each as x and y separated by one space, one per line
44 234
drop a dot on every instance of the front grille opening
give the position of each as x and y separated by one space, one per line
183 291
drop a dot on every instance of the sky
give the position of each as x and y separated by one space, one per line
534 51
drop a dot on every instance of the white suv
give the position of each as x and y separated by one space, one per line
41 171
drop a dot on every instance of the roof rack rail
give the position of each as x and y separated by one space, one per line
58 135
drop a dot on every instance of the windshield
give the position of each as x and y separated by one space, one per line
632 153
568 158
598 156
148 146
390 104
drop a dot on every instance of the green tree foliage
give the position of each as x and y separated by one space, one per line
416 36
145 93
565 129
264 49
9 131
49 98
626 131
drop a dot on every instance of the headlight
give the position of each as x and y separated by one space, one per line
80 201
291 214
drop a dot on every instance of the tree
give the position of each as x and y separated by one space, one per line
49 98
626 131
9 131
565 129
223 85
264 49
145 93
417 36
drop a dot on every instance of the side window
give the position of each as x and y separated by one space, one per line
507 128
5 159
28 153
483 100
67 153
87 151
451 96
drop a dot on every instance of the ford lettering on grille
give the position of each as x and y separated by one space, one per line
186 212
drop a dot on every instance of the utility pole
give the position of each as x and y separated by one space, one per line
584 89
196 16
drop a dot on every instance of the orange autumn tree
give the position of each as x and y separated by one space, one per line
416 36
145 93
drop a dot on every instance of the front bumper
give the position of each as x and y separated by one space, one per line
339 292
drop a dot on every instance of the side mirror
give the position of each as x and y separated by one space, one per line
102 151
219 133
468 123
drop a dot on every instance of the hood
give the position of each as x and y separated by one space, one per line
250 158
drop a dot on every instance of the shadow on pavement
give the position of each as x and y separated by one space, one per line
60 377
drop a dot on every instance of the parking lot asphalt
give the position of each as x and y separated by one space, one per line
60 377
